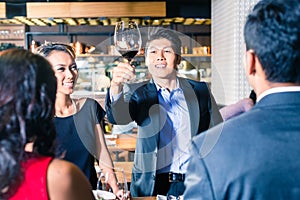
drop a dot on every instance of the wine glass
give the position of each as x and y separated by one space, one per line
105 178
122 182
102 183
127 40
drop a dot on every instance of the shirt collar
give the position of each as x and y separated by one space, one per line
160 88
278 89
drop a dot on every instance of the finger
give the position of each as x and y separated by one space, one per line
126 67
120 71
122 75
122 78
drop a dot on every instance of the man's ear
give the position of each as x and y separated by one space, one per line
146 61
178 59
250 63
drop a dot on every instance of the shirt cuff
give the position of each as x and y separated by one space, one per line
115 97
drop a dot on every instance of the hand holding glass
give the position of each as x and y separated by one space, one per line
122 182
105 179
127 40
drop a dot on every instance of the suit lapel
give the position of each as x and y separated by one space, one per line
151 93
192 103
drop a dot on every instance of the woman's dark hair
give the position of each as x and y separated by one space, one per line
46 48
27 97
272 31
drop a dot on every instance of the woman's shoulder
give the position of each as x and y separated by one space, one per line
61 168
87 105
79 102
75 184
84 101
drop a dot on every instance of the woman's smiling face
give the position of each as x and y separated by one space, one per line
65 69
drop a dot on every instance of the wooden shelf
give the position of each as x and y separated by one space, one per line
96 9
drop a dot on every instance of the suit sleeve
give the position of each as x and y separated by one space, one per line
118 111
197 182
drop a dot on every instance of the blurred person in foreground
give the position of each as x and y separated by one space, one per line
78 121
27 96
256 154
169 111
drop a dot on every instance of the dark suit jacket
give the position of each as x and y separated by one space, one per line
141 105
252 156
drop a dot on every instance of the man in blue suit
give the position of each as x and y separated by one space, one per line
256 154
169 111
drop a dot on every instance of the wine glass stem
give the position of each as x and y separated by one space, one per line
99 185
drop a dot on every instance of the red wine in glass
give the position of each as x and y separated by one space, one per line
129 55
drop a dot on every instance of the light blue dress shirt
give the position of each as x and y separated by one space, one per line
175 136
173 154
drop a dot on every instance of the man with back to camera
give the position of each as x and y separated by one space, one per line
256 155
